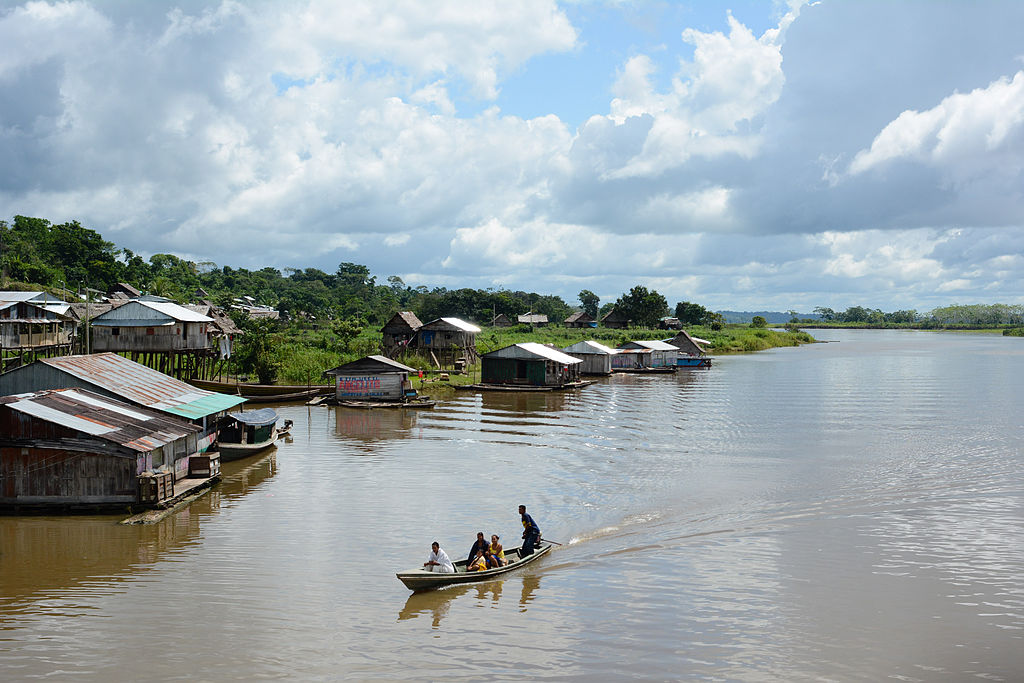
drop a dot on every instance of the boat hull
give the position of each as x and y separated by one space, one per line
237 451
421 580
694 362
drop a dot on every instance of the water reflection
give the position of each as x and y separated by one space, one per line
375 424
437 603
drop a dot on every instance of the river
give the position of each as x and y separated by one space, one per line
851 510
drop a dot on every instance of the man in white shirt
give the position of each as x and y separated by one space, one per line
439 559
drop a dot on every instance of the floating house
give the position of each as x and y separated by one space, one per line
119 378
399 332
615 320
650 354
596 357
73 447
530 364
580 319
533 319
449 341
373 378
691 350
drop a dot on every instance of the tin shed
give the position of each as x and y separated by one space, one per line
531 364
596 357
69 447
373 378
661 354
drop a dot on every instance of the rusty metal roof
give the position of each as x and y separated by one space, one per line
143 386
89 413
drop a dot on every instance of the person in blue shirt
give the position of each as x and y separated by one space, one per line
531 533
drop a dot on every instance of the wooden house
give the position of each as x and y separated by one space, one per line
691 350
72 447
501 320
533 319
651 353
615 320
373 378
399 332
160 334
448 341
596 357
580 319
529 364
114 376
32 326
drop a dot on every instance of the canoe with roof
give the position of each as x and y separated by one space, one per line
420 579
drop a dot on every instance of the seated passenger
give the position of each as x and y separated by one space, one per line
479 562
497 551
438 561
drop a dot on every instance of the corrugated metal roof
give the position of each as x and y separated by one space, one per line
533 349
144 386
257 418
456 323
89 413
361 366
19 296
590 346
652 344
145 312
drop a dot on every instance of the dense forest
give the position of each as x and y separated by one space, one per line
68 256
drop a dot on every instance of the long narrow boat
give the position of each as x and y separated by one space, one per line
420 579
269 391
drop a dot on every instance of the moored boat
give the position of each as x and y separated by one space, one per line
420 579
247 433
264 392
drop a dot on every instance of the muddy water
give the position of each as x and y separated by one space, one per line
844 511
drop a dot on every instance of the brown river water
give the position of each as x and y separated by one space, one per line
840 511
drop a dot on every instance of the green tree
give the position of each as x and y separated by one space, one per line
759 321
590 302
693 314
644 307
346 331
256 351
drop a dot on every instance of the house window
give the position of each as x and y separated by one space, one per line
115 331
149 330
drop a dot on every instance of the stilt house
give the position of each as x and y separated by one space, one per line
448 341
615 320
399 332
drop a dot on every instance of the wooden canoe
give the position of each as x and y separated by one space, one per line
420 579
267 392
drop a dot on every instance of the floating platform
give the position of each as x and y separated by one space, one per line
522 387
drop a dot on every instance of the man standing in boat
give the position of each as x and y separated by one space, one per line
531 533
438 558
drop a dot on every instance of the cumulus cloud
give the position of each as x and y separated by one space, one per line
796 165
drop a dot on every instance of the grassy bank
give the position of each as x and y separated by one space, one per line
305 355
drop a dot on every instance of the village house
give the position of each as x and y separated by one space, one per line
72 447
529 364
448 341
615 320
580 319
119 378
373 378
501 320
33 325
645 354
399 332
691 351
533 319
596 357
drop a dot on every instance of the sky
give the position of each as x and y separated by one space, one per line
748 155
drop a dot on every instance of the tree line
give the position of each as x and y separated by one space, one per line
72 257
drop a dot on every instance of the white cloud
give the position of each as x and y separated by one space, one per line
963 129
